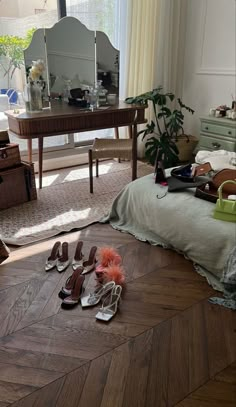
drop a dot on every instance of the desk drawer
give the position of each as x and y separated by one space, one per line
211 143
217 129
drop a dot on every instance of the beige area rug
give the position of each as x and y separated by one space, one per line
64 203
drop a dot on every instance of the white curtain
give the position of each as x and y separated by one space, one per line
152 35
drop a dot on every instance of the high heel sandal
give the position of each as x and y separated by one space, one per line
73 299
51 261
94 298
70 283
89 264
110 305
78 257
63 261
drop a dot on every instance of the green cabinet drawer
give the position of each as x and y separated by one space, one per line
230 132
211 143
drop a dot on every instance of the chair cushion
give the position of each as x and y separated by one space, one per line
112 148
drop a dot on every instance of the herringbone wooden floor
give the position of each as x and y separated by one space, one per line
166 346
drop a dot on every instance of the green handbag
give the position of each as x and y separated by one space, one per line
225 209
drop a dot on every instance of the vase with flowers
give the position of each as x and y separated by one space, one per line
34 101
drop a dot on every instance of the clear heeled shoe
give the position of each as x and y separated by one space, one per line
94 298
51 261
63 261
78 257
110 304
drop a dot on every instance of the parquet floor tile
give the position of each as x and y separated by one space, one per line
167 345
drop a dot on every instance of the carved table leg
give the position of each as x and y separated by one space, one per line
40 161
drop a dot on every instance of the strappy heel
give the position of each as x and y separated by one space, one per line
51 261
78 257
110 305
89 264
94 298
70 283
63 261
73 299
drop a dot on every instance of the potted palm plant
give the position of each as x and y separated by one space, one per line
165 134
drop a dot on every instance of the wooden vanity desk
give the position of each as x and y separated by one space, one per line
64 119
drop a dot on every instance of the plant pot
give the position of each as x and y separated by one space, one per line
186 145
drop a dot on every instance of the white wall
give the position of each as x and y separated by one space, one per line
209 62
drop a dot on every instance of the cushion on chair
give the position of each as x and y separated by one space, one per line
112 148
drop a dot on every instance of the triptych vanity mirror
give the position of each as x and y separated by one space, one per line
74 57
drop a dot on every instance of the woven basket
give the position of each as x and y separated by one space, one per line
186 145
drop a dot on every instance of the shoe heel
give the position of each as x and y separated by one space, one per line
52 259
70 283
89 264
63 261
74 298
78 257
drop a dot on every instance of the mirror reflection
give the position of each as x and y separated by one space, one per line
81 64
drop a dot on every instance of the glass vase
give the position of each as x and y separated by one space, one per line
34 102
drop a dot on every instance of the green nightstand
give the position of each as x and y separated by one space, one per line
217 134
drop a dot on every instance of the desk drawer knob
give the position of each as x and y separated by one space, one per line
216 145
229 132
206 128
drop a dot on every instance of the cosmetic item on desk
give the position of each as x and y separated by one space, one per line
78 102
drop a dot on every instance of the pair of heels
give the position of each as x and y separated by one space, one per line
110 294
78 260
72 293
60 261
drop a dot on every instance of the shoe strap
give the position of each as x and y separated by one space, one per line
103 290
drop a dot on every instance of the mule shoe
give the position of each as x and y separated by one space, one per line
51 261
73 299
70 283
78 257
63 261
90 264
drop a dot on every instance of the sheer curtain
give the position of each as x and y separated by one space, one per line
152 34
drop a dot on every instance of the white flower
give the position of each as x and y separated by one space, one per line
37 69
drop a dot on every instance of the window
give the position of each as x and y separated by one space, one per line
17 20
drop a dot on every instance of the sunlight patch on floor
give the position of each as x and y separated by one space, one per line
71 215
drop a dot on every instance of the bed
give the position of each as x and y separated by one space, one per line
180 221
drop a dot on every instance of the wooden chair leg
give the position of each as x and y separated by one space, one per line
90 154
96 167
